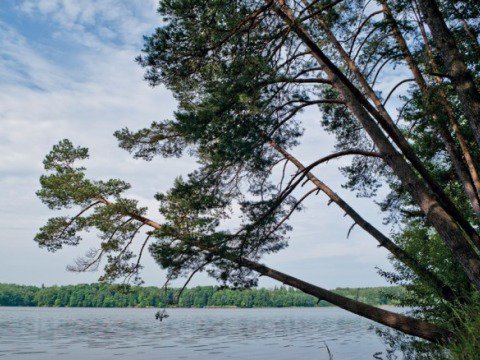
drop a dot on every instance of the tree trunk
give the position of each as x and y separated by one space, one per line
472 167
390 319
435 212
386 122
461 78
440 111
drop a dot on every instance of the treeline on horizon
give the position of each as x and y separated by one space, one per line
108 295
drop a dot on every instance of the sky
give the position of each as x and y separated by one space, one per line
67 70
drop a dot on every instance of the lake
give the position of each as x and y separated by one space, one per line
102 333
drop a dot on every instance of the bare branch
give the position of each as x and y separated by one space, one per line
361 27
337 155
76 217
395 88
294 207
350 230
380 68
180 292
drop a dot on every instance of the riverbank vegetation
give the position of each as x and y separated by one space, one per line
106 295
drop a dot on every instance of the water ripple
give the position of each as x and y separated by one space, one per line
54 333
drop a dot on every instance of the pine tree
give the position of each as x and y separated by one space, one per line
242 71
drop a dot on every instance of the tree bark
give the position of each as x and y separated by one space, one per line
390 319
462 80
435 212
440 110
472 167
388 125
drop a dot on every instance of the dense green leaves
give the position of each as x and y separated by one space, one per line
232 101
242 75
103 295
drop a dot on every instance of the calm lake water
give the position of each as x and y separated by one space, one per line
84 333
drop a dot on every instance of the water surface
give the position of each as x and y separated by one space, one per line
86 333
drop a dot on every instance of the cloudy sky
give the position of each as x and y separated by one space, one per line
67 70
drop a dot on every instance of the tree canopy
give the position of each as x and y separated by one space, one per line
242 72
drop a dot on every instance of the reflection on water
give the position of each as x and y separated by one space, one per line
69 333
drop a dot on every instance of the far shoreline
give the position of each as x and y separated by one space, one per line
184 307
101 295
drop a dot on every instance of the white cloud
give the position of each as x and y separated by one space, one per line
92 22
44 101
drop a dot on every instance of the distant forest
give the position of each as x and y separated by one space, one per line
106 295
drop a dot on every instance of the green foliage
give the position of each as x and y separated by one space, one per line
467 345
66 186
234 67
105 295
230 105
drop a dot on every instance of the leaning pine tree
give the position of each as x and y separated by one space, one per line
242 71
